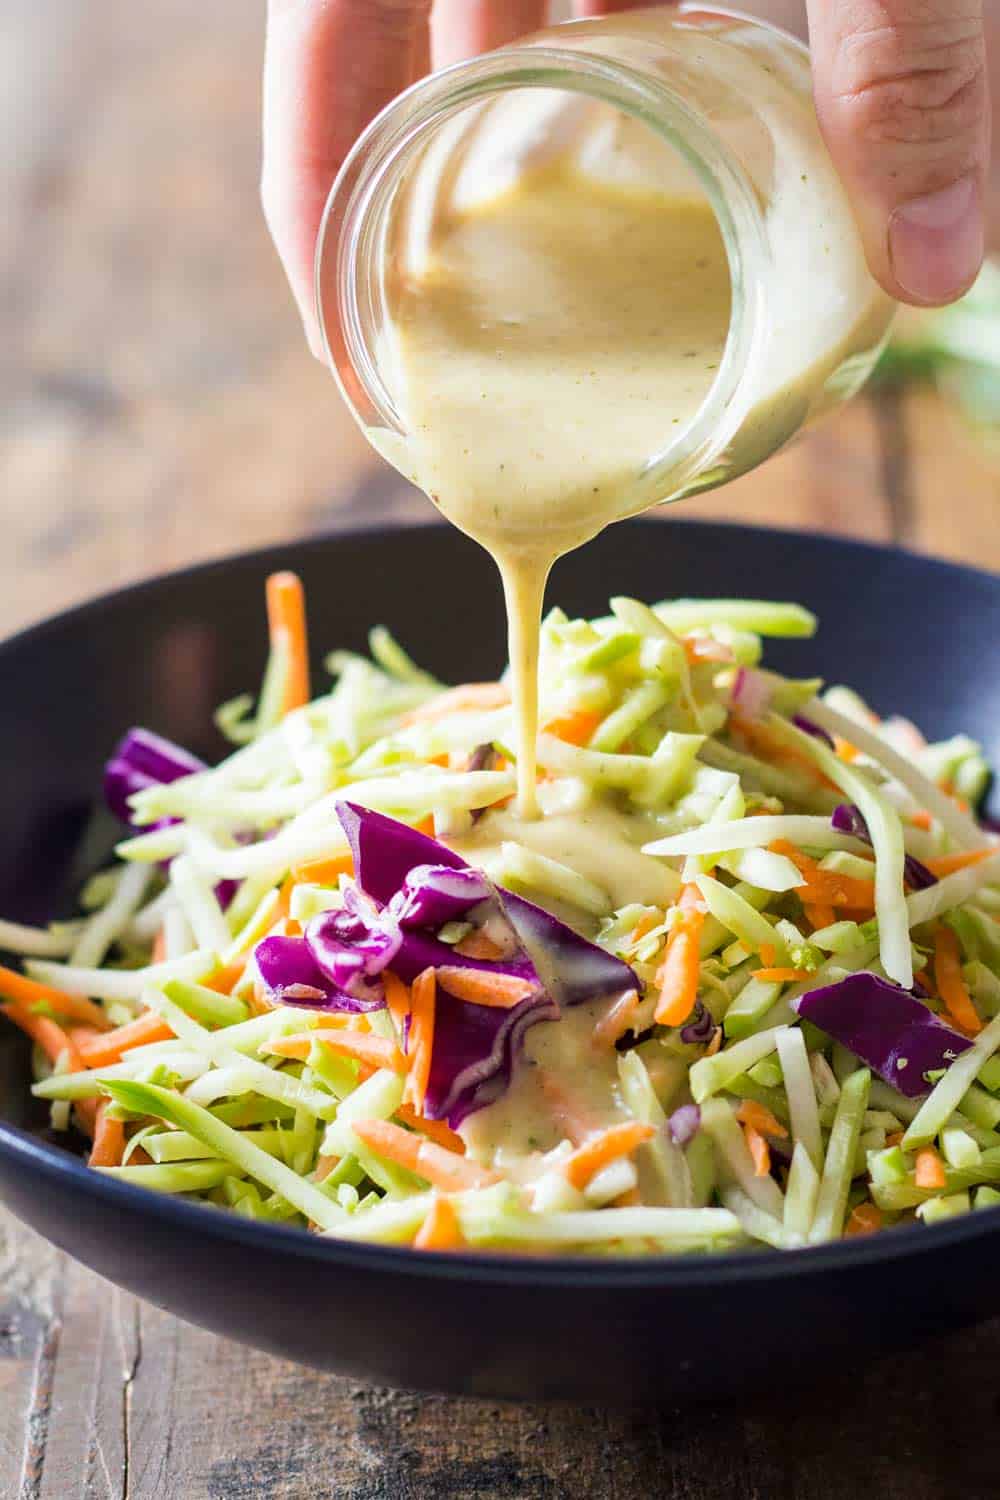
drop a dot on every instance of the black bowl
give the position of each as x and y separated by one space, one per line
913 635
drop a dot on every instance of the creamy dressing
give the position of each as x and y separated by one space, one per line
560 334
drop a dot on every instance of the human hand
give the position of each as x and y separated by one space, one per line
901 93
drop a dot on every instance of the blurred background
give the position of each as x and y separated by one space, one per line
160 405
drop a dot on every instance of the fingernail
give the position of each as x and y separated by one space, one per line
936 242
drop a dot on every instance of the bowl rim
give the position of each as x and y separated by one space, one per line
60 1168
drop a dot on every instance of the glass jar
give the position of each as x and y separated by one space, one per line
695 100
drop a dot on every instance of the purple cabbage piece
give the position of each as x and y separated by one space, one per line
432 895
142 760
354 962
292 976
475 1050
684 1124
570 967
849 819
700 1027
816 730
475 1046
887 1027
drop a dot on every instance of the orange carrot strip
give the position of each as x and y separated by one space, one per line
323 871
759 1150
761 738
28 993
819 916
159 952
615 1022
440 1230
434 1130
44 1032
826 887
476 944
698 648
441 1168
85 1115
921 819
947 864
575 728
420 1046
780 976
467 697
951 985
865 1219
108 1049
397 999
678 974
479 987
768 954
225 980
286 619
750 1112
617 1141
894 1138
715 1043
109 1139
645 924
845 749
324 1166
631 1198
929 1169
375 1051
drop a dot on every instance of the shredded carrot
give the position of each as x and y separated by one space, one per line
679 972
781 976
864 1219
324 1166
702 647
29 994
826 887
359 1046
286 618
397 999
225 980
109 1139
645 924
951 985
476 944
44 1032
759 1150
420 1046
617 1141
442 1169
440 1230
768 954
426 825
323 871
715 1043
467 697
947 864
575 728
844 749
819 916
434 1130
921 819
750 1112
107 1049
929 1169
615 1022
631 1198
760 737
894 1138
481 987
159 951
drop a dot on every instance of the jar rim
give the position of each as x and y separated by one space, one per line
361 194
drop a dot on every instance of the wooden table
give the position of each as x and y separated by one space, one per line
159 407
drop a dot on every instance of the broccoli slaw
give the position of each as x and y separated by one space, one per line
739 985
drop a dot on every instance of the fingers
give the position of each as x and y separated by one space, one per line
464 28
902 98
329 67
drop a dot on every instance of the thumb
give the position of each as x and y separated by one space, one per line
902 99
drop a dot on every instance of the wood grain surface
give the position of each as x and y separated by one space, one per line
159 406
